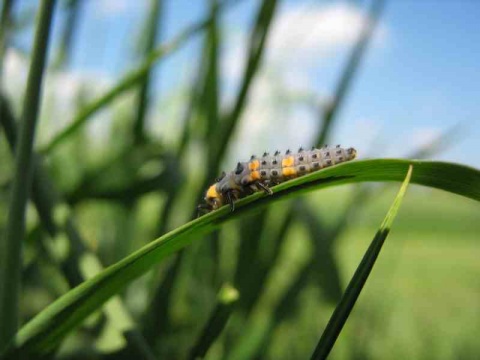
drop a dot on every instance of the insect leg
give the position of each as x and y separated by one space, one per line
202 209
230 200
265 188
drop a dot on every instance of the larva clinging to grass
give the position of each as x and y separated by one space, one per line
260 173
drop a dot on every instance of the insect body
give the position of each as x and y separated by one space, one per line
259 174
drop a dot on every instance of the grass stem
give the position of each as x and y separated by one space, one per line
11 242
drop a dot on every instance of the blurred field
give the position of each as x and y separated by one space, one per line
420 302
422 293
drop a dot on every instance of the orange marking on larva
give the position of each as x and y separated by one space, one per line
255 175
254 165
289 171
212 192
288 161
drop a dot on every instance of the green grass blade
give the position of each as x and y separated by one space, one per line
153 21
127 82
226 299
209 99
5 116
344 308
156 320
325 267
202 107
258 39
204 100
332 290
47 201
5 18
70 27
52 324
11 245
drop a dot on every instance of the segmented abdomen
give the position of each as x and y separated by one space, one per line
278 168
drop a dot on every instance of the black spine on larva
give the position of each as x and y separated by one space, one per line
271 169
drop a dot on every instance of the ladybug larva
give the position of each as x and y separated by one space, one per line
260 173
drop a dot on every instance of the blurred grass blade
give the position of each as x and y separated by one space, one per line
256 48
49 206
8 126
11 242
226 300
209 100
70 26
440 143
49 327
151 29
5 19
344 308
325 267
127 82
203 98
156 320
287 306
331 287
348 74
257 44
202 112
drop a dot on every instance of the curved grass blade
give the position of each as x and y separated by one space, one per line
226 299
12 241
344 308
49 327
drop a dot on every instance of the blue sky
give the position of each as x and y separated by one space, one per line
419 78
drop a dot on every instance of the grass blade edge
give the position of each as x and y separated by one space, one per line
345 306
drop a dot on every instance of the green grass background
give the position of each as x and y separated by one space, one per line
110 198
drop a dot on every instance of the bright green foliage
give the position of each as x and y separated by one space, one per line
49 327
104 214
345 306
12 241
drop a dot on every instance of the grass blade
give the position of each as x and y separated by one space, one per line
64 52
4 28
11 246
47 201
257 44
226 300
153 20
52 324
324 265
8 126
332 290
202 112
209 100
344 308
204 100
